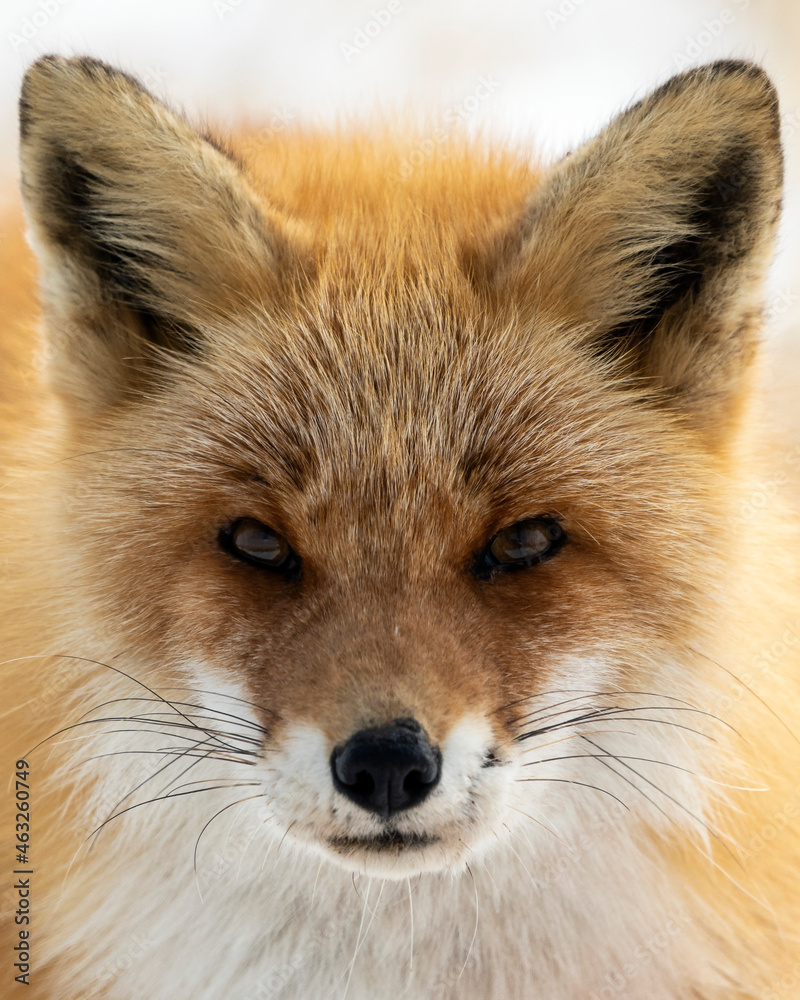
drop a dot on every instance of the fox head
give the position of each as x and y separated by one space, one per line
419 481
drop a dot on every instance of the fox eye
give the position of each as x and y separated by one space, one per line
255 543
525 543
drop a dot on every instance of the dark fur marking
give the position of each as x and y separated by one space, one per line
25 115
222 148
711 71
78 227
98 69
720 230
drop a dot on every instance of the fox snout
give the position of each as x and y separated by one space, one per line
387 769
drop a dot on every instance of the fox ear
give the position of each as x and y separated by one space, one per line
145 230
653 238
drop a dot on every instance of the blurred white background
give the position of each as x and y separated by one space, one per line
558 69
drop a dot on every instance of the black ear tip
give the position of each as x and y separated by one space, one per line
45 71
725 69
748 77
51 77
743 70
736 67
43 62
52 67
727 87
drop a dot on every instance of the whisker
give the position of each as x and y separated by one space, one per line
219 812
583 784
667 722
411 924
571 736
616 714
230 697
200 781
200 757
359 938
161 751
605 753
242 752
164 798
540 823
122 673
157 731
589 695
185 704
611 709
584 692
157 720
477 918
706 826
158 771
747 687
703 854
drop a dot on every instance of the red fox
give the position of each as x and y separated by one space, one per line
382 615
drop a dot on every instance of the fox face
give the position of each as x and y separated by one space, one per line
413 482
448 600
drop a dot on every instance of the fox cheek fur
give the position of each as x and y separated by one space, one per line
395 513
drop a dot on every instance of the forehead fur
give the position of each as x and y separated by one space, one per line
390 188
387 358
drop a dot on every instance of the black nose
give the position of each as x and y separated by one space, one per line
387 769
